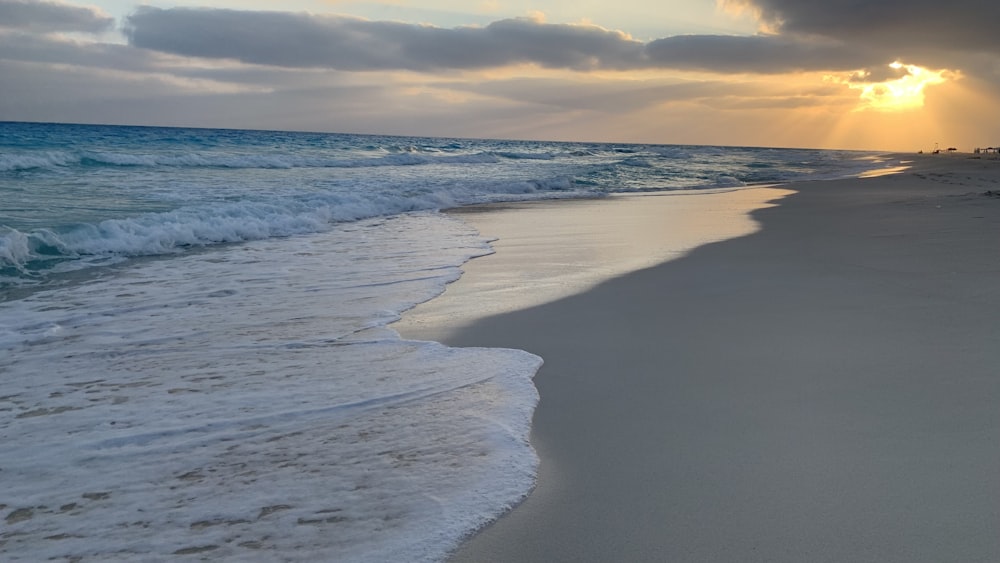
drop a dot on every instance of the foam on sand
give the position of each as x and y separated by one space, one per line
251 405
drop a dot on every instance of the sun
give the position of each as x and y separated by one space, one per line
902 90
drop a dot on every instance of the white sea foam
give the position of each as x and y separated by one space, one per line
728 181
250 405
61 159
227 222
14 247
43 159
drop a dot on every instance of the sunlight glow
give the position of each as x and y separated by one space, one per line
749 10
905 92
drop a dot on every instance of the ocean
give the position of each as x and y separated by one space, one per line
195 351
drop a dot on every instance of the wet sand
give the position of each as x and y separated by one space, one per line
826 388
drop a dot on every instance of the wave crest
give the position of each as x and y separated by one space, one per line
64 159
229 222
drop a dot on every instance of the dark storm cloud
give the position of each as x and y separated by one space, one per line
301 40
31 15
899 24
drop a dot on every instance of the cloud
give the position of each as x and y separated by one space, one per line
889 24
29 15
608 96
345 43
883 73
766 54
300 40
521 77
629 96
49 49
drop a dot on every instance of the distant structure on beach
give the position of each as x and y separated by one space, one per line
938 151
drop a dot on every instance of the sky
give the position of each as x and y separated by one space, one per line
852 74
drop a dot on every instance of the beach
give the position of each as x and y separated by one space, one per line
819 384
194 326
416 282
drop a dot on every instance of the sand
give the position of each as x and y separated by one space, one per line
825 387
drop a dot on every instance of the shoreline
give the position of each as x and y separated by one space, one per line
823 389
549 249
